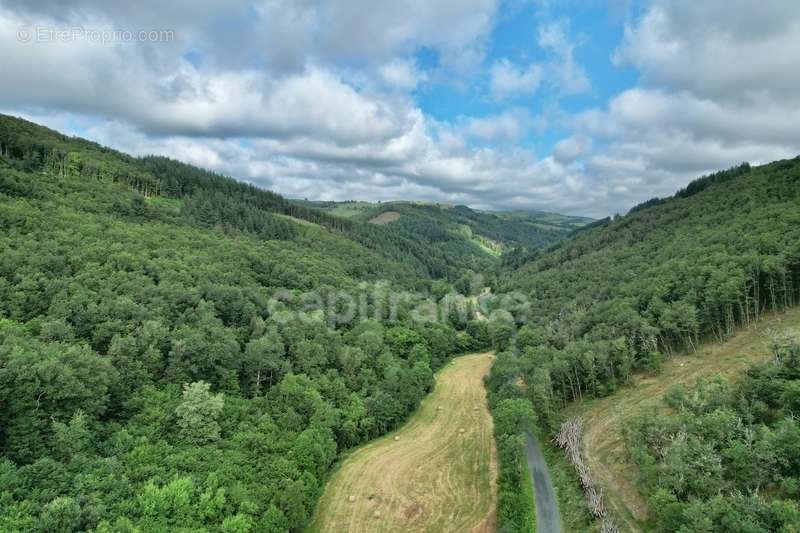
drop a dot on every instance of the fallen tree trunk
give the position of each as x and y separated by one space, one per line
569 439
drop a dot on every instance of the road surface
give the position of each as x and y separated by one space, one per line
548 519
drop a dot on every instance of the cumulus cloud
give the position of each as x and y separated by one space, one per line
358 28
402 74
722 50
564 72
286 33
509 126
317 99
667 138
571 148
181 99
508 80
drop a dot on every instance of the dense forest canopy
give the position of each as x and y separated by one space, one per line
162 366
458 226
150 380
624 293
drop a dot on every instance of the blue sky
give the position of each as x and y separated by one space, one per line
577 106
514 37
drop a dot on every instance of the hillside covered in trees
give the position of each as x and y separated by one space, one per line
203 199
458 227
625 293
149 379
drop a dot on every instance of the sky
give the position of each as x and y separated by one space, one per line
578 107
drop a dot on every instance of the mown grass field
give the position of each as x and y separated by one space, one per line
603 419
427 476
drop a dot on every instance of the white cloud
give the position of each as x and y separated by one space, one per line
509 126
402 74
457 29
316 99
285 33
115 82
717 49
564 72
571 148
655 141
509 80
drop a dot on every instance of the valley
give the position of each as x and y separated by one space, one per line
441 266
180 350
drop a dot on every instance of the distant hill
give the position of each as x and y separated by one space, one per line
465 240
493 231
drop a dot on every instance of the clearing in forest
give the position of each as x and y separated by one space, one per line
435 474
385 218
603 419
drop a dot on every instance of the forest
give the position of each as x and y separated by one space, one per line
150 382
146 382
623 294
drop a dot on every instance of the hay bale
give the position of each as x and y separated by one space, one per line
461 430
376 514
351 499
396 438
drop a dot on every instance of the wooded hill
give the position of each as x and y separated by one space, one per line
147 383
458 227
624 293
424 249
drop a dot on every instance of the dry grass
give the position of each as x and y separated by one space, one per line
602 437
435 477
385 218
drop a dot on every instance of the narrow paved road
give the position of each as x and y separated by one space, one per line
548 519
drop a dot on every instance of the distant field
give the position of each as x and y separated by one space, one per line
427 476
351 209
602 419
385 218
